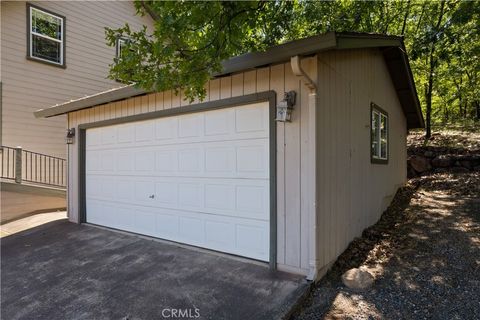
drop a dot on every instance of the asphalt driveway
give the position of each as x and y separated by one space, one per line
67 271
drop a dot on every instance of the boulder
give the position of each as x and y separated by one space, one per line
442 161
419 163
357 279
411 173
429 154
466 164
459 170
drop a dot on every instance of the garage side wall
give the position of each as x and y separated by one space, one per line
294 147
352 192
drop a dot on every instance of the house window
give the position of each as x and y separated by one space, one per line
379 134
46 36
121 45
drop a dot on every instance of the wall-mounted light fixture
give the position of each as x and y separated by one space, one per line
285 107
70 138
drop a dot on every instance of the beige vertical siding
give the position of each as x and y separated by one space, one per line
30 85
292 151
352 192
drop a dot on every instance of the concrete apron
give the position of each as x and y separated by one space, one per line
67 271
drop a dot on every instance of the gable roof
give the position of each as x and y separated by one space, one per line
392 48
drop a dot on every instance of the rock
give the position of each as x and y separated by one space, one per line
442 161
466 164
419 163
357 279
429 154
411 173
441 170
459 170
477 168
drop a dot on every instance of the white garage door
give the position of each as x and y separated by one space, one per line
199 178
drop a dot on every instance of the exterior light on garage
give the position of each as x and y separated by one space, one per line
285 107
69 139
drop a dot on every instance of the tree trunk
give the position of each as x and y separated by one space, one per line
428 97
433 62
477 110
407 12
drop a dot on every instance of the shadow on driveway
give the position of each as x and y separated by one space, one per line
63 270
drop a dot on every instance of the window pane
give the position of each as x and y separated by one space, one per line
46 49
383 137
375 126
120 46
46 24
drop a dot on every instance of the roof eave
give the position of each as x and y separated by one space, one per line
89 101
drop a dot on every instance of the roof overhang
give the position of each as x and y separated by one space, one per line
392 48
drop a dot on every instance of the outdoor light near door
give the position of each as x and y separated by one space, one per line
70 136
285 107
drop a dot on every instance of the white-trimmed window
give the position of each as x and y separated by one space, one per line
379 134
46 36
121 44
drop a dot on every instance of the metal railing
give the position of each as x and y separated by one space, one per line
32 167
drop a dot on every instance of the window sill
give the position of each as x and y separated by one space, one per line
61 66
378 161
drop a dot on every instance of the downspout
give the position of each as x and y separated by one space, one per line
313 219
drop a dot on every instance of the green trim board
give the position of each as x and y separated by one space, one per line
269 96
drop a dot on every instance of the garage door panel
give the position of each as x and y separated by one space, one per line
144 161
124 161
166 193
247 159
190 160
109 136
145 223
220 234
190 126
251 119
228 197
125 133
200 179
218 125
166 129
250 238
144 131
238 236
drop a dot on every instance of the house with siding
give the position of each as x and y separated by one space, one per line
51 52
292 154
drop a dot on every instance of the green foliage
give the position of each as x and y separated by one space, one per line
190 39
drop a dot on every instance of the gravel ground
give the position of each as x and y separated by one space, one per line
424 253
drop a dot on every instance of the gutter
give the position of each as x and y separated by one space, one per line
295 63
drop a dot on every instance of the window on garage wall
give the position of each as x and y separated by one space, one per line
379 134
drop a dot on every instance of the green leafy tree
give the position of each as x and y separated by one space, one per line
191 39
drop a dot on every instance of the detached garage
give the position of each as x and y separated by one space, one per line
286 179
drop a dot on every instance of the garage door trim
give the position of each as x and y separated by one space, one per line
269 96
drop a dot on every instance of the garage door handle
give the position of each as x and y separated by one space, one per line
152 196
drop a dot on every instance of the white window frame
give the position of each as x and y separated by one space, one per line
379 114
120 41
31 33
